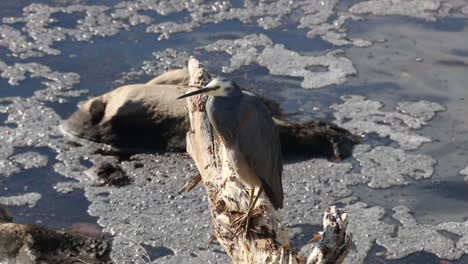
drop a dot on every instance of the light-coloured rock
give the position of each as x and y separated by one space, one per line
138 115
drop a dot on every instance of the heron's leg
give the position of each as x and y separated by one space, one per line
252 205
243 222
252 201
242 218
251 196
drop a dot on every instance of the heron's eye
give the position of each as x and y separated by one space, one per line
217 86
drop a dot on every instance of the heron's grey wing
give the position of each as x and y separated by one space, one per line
260 145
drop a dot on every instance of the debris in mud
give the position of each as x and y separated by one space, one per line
316 138
29 199
32 244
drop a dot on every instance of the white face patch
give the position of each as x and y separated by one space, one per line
218 92
213 83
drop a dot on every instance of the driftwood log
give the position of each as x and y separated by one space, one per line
269 241
159 121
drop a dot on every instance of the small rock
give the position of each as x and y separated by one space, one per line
108 174
5 216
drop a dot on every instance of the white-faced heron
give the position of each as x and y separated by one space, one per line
246 128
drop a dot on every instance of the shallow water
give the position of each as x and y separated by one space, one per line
411 59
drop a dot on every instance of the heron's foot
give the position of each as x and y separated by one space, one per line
241 224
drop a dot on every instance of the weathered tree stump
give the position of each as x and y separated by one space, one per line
228 198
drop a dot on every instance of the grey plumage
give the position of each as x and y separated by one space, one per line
250 131
246 127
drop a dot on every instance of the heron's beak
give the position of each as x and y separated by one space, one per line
200 91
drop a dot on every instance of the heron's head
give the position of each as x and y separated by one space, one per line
217 87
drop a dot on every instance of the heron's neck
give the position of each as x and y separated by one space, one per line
227 100
233 92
